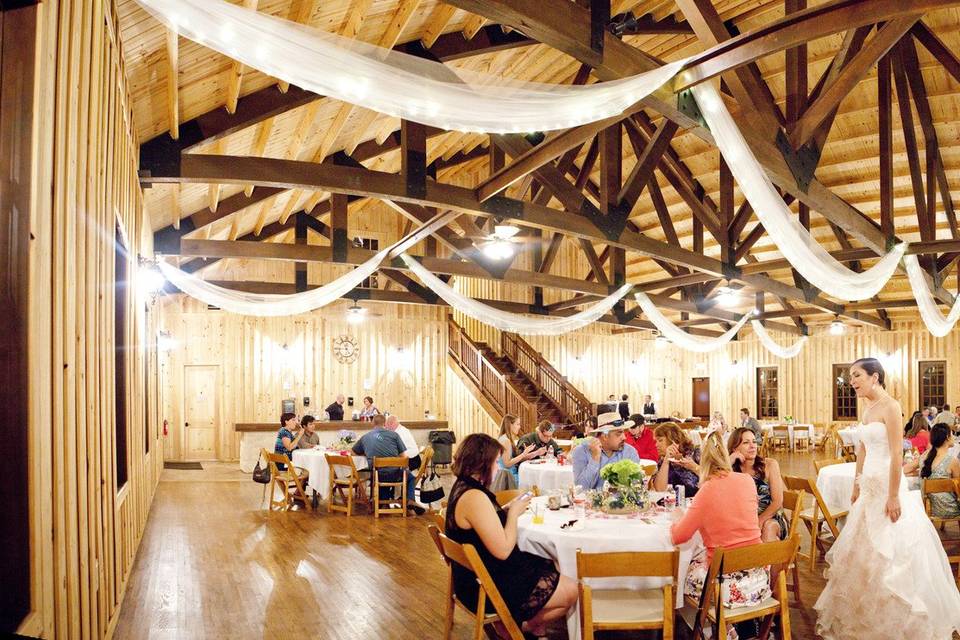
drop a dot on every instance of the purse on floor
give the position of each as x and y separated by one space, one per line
261 474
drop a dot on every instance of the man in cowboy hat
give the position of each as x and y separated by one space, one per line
606 447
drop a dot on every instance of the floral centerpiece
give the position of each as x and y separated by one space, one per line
625 488
345 439
788 419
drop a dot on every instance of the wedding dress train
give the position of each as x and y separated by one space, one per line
887 580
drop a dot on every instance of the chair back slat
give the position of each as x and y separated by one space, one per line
793 502
396 462
820 464
779 553
628 563
505 496
337 461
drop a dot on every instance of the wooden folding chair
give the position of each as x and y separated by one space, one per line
801 438
284 480
714 612
820 464
812 518
780 438
468 558
345 481
793 503
400 463
942 485
426 458
624 609
505 496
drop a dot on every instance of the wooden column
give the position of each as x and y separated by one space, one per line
301 239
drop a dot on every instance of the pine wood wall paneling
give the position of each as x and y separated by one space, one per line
84 535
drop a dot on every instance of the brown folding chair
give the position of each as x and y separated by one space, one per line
793 503
466 556
802 438
345 481
400 463
426 457
780 438
713 612
942 485
812 518
626 609
505 496
290 478
820 464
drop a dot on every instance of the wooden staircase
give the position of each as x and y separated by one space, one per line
517 381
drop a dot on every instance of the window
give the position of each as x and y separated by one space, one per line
120 354
844 396
373 244
767 393
933 384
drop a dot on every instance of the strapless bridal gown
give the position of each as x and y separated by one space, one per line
887 580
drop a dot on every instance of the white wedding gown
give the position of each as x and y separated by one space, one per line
887 580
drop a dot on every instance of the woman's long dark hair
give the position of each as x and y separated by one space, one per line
919 424
736 438
909 425
938 435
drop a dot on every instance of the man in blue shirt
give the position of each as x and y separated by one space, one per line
383 443
605 447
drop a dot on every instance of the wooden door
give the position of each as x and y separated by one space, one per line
701 397
201 411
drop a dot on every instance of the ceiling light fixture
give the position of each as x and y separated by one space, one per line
837 328
356 314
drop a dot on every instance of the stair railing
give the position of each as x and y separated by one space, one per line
574 406
494 386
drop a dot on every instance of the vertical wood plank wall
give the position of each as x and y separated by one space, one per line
84 531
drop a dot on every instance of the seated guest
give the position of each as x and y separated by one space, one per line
919 434
945 417
766 475
412 449
909 424
511 457
640 437
938 463
288 436
336 408
540 439
533 589
368 410
929 413
748 421
309 438
725 514
679 461
606 447
624 408
649 409
383 443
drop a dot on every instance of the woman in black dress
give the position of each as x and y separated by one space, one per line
533 589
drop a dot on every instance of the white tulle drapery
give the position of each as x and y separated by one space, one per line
513 322
938 324
773 347
795 243
396 83
681 338
270 304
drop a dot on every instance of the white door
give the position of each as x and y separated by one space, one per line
201 411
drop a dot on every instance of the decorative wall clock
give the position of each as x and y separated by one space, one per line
346 349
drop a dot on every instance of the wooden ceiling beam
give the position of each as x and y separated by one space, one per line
646 162
436 23
237 69
173 83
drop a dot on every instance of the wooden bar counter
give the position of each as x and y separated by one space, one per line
257 435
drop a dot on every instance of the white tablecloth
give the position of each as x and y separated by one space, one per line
315 462
835 484
767 430
600 535
548 476
849 436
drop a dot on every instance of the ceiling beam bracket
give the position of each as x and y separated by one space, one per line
687 105
802 162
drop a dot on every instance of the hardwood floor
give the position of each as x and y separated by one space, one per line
214 565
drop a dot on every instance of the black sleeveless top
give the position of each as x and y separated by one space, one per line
525 581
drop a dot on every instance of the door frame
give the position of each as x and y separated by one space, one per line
693 396
183 413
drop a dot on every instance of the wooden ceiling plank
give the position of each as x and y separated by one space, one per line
173 82
473 24
237 69
851 74
299 12
437 22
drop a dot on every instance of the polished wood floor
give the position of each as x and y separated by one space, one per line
214 565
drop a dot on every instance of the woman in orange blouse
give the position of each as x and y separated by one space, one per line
725 513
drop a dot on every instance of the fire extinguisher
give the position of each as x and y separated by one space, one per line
165 427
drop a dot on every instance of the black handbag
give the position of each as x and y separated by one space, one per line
261 474
431 490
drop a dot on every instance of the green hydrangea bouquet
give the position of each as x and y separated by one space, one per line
623 473
626 489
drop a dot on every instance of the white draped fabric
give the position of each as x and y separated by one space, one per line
506 320
269 304
795 243
681 338
936 323
773 347
396 83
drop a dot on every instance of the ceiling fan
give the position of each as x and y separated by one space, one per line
503 243
357 314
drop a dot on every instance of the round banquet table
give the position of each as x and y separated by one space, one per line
548 476
600 534
835 484
315 462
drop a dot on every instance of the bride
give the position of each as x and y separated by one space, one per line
888 576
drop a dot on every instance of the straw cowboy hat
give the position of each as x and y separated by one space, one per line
607 422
